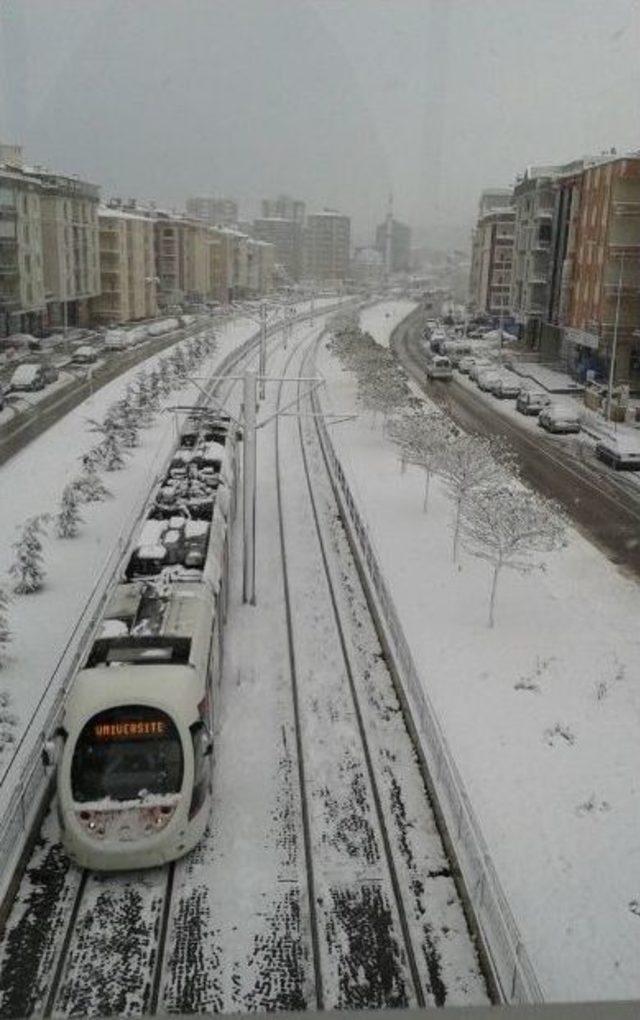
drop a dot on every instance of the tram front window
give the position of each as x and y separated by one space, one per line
125 753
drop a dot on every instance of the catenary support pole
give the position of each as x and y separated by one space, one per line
249 490
263 347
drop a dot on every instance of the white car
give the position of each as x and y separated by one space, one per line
465 365
84 356
506 387
478 367
559 418
621 453
487 379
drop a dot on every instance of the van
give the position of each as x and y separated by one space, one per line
439 368
532 401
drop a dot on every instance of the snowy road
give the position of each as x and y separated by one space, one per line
322 879
604 505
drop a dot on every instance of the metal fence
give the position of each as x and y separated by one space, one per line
21 811
507 956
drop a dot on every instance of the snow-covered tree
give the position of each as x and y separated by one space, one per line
68 518
5 630
125 417
89 486
8 721
111 448
166 376
28 567
470 463
178 364
421 437
507 527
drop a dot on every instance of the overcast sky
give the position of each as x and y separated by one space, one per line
337 102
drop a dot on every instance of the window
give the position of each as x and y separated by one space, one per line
126 752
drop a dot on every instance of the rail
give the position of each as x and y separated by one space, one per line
502 942
21 810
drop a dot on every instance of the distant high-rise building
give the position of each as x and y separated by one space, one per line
283 207
286 236
400 245
327 245
213 210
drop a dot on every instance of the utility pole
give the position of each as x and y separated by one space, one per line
263 346
614 347
387 240
249 490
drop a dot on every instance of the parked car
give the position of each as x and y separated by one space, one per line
478 367
115 340
532 401
49 372
506 387
620 453
27 378
439 368
465 365
487 379
559 418
84 356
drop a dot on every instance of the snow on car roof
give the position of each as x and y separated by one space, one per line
621 444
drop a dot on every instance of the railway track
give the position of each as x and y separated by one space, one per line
77 942
379 886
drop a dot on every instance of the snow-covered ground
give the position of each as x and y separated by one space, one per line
542 712
380 320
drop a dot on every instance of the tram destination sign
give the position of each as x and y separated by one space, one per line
127 729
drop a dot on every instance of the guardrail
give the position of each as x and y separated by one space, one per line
25 804
512 970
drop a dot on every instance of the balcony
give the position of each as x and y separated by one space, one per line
8 269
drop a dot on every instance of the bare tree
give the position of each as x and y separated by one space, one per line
421 438
28 568
507 527
68 518
468 464
5 630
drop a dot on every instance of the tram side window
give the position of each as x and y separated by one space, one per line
126 753
202 748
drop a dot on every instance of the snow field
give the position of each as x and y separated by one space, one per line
541 713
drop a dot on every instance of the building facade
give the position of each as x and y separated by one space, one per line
284 208
22 292
534 203
595 290
286 235
327 246
127 268
492 255
213 210
70 246
400 245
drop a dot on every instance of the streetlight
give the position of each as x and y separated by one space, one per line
614 346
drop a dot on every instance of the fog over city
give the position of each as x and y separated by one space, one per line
338 102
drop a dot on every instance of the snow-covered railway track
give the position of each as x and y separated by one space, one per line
387 927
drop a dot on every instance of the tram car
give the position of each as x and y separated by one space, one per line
135 748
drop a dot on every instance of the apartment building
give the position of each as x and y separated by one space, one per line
492 254
595 289
284 208
327 246
215 211
286 235
491 200
534 203
22 292
399 244
70 244
127 267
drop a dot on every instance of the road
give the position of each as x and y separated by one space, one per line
24 427
603 505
